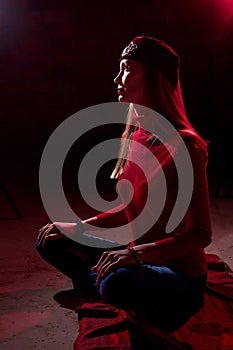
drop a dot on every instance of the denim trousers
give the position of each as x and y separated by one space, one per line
164 295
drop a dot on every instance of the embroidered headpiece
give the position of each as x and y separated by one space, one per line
154 53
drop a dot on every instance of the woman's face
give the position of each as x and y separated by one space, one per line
131 83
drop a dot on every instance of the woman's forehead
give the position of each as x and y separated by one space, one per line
127 61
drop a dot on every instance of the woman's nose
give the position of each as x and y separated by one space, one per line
117 79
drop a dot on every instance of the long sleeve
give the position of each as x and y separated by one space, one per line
184 246
195 231
112 218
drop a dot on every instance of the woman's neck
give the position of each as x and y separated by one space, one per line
146 117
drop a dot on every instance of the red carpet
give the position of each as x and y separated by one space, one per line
102 326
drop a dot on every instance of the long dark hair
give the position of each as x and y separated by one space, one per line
168 101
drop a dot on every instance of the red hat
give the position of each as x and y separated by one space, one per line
155 54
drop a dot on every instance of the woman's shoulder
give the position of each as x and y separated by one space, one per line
195 145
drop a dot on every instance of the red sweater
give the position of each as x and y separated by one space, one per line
184 246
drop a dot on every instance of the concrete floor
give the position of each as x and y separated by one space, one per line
30 318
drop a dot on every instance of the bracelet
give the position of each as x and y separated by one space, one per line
135 255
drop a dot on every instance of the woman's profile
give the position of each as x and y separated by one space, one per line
159 275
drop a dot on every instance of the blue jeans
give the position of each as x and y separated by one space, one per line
74 259
164 295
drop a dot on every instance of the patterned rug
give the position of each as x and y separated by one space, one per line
101 326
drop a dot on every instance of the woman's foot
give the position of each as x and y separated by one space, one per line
72 298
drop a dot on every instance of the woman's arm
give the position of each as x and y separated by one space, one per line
195 232
113 218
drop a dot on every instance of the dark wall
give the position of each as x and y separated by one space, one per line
58 57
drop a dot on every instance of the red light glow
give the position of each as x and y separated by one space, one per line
225 9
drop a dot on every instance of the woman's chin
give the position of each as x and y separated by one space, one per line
122 98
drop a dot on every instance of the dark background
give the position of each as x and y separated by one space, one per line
58 57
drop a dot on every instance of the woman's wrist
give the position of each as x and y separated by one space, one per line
79 226
91 224
135 255
148 252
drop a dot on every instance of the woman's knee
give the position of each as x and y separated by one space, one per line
47 251
39 247
114 288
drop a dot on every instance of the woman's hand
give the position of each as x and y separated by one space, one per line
111 260
56 230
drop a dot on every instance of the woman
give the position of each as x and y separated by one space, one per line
159 275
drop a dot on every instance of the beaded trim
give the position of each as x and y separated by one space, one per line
130 49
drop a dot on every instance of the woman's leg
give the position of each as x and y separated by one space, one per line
74 259
167 297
